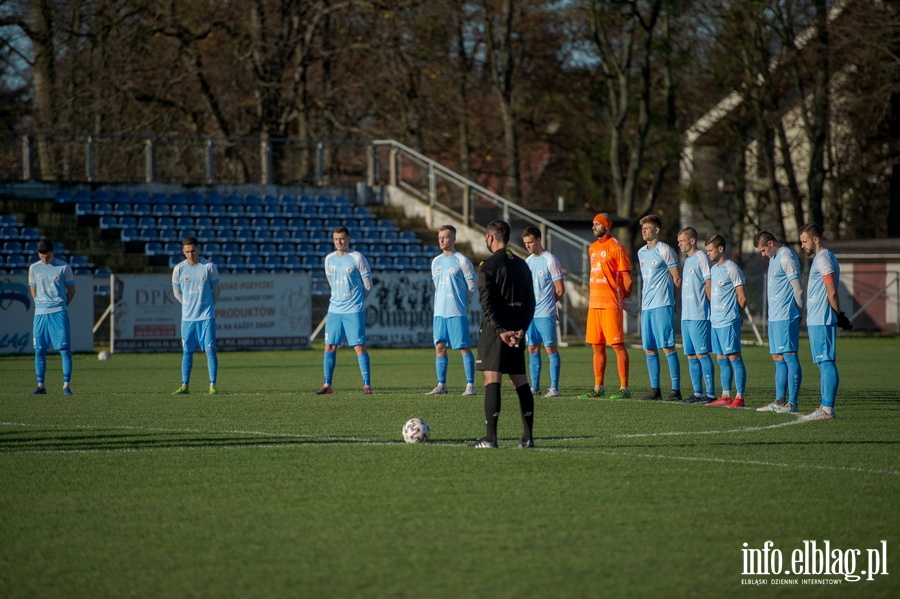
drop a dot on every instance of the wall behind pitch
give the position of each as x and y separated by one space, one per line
17 315
254 311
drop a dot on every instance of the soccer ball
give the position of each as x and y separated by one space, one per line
104 355
416 430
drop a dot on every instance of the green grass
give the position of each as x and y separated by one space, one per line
267 490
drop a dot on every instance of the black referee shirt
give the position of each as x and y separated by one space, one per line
507 293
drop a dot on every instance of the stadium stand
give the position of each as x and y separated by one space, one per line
242 233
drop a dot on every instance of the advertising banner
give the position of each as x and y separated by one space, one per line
400 310
17 315
254 311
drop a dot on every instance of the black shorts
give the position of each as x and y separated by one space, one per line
495 355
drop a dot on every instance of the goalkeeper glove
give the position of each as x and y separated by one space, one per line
844 322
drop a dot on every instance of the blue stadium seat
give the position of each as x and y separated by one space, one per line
59 248
140 198
109 222
173 247
250 248
80 261
167 222
160 209
123 209
29 233
255 263
181 209
231 248
216 205
84 208
102 209
159 198
83 272
16 261
81 196
199 210
292 262
63 197
184 222
154 248
120 197
287 248
268 249
102 196
127 221
273 261
175 261
212 248
148 234
206 225
12 247
341 201
408 236
146 222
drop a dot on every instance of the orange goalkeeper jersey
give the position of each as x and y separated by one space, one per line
609 260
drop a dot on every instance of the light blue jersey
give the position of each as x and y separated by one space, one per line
818 309
659 289
50 282
454 284
349 276
545 269
723 306
196 286
694 303
783 268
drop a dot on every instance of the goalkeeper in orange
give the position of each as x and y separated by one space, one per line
610 287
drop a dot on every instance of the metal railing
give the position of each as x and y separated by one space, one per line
471 203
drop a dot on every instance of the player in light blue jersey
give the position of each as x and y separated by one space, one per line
659 271
454 284
195 283
695 334
350 280
785 300
823 316
549 287
727 300
52 285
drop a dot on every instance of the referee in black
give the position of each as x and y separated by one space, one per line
507 300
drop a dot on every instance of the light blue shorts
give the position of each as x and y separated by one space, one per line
200 333
542 330
784 336
452 330
822 342
658 327
52 330
350 325
727 340
695 337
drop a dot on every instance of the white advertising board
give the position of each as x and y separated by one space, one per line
400 310
254 311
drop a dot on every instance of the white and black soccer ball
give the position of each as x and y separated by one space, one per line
416 430
103 355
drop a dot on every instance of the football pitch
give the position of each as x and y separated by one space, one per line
267 490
